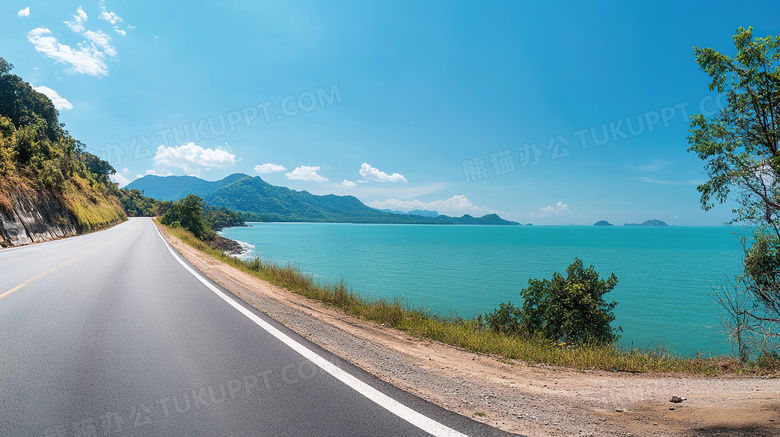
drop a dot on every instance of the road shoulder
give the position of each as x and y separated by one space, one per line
512 396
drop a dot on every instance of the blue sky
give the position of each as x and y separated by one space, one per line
543 112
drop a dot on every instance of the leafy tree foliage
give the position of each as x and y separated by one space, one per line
219 218
187 213
740 142
34 146
138 205
567 309
740 147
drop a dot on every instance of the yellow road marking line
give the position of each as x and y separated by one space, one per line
11 290
66 262
40 274
70 260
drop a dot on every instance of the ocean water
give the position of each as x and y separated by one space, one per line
665 274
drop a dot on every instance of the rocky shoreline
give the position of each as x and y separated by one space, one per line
230 247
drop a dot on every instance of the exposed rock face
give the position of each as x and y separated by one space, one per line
34 218
230 247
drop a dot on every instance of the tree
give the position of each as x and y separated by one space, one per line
740 146
5 66
188 214
567 309
571 309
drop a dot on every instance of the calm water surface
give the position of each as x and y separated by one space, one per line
665 274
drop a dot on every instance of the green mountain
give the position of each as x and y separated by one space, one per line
257 200
178 187
651 223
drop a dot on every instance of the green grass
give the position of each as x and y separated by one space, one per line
469 335
92 208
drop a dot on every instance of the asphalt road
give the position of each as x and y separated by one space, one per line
111 334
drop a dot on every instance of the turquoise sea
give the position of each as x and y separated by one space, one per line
665 274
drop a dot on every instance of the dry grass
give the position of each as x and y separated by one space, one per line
468 335
92 209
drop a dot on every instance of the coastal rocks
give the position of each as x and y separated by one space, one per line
35 217
230 247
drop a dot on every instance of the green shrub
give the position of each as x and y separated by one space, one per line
571 309
507 319
564 310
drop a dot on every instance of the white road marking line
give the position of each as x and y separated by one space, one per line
423 422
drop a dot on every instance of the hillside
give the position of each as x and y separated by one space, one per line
649 223
257 200
50 186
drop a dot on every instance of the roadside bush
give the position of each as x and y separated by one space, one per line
506 319
187 213
567 310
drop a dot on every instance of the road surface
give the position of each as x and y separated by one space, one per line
112 334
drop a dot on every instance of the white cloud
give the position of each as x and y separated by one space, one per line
121 178
192 158
454 206
84 60
372 174
155 173
269 168
306 173
77 25
111 17
347 184
661 182
102 40
559 209
658 164
24 12
60 103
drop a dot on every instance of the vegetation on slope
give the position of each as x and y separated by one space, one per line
37 153
257 200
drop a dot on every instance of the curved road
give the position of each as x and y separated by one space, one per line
112 334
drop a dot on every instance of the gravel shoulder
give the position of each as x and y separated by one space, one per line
512 396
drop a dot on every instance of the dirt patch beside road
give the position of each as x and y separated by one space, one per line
513 396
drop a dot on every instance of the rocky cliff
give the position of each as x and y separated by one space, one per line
35 217
31 216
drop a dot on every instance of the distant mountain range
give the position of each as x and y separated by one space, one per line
258 200
648 223
651 223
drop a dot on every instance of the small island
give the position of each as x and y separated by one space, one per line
651 223
602 223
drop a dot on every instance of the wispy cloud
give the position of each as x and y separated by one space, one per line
112 18
269 168
306 173
657 165
24 12
372 174
192 158
60 103
86 59
454 206
656 181
347 184
101 40
77 25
